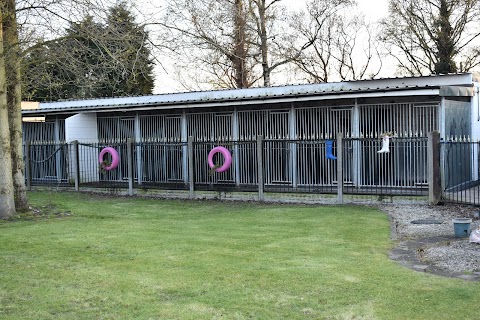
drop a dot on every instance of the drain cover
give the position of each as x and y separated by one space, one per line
427 221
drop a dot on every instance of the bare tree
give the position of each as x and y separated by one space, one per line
342 45
7 202
209 40
230 43
356 50
41 13
274 37
14 96
433 36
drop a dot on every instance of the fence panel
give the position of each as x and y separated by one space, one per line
401 171
207 178
162 165
301 166
49 164
92 174
460 171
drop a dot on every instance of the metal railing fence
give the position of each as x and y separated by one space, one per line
46 163
287 166
460 171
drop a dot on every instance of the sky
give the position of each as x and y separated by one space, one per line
374 10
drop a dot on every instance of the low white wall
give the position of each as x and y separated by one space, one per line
83 128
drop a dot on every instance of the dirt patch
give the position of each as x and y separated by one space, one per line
40 213
433 247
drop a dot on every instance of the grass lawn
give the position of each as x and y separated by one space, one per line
131 258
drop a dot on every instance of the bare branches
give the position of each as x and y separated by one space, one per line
340 46
433 36
212 37
253 36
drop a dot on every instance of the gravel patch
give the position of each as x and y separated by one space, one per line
435 244
458 257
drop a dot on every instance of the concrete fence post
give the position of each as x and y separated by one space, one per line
130 165
191 180
433 168
340 168
261 195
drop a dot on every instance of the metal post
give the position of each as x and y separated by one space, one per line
339 168
261 196
76 163
28 165
190 168
58 161
293 145
357 148
433 167
184 137
138 138
236 148
130 165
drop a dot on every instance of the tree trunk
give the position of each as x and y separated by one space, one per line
14 98
7 203
263 42
240 51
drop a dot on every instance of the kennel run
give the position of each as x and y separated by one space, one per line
298 123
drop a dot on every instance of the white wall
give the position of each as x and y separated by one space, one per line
83 128
475 112
475 128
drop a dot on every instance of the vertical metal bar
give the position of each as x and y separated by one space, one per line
434 183
356 145
138 139
76 164
185 148
236 159
261 195
190 168
340 168
130 165
293 146
58 163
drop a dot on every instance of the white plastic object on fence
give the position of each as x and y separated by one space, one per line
385 145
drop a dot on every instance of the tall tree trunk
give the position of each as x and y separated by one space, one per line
239 56
7 203
14 99
262 12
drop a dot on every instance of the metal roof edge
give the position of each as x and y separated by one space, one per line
456 91
371 93
267 92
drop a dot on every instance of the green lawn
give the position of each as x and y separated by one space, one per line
130 258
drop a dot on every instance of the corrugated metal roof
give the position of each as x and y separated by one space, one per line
273 94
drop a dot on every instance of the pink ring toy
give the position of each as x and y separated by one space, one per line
226 155
115 158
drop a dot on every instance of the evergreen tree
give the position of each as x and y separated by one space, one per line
444 40
92 60
132 72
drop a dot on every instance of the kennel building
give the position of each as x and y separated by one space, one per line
296 124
